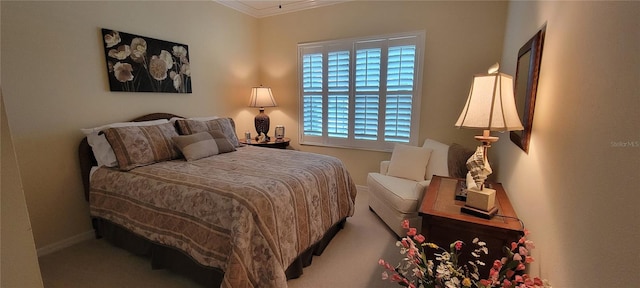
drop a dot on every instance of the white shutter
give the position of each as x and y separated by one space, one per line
338 94
312 93
361 93
400 82
367 93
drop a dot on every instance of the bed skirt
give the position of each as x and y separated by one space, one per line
164 257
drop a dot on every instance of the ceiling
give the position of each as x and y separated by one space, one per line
262 8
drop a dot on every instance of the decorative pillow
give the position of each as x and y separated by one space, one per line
137 146
224 145
203 144
225 125
438 160
100 146
409 162
457 160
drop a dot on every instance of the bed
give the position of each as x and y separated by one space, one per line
248 218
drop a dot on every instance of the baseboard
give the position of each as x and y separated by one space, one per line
65 243
362 188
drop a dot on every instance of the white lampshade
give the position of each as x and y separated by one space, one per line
491 104
261 97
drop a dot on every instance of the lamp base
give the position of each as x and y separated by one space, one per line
484 199
261 122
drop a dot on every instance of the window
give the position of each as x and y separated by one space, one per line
361 93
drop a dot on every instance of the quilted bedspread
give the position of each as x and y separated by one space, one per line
250 212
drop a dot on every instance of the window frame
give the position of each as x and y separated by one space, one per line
416 38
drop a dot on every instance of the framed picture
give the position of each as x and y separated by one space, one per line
526 86
142 64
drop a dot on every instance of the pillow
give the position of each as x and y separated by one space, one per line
438 160
203 144
224 125
457 160
409 162
136 146
100 146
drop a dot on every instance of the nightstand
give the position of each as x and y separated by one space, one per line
279 144
443 223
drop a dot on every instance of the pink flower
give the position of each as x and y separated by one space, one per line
485 282
412 232
419 238
510 273
458 245
537 281
528 259
519 279
396 277
523 251
405 224
520 267
385 275
497 264
506 283
517 257
514 245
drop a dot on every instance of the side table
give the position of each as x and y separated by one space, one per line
279 144
443 223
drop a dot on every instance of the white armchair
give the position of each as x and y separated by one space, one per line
395 197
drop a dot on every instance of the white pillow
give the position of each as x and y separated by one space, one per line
409 162
101 147
438 164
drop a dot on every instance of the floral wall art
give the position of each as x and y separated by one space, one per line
142 64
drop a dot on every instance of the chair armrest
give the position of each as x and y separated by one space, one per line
420 188
384 167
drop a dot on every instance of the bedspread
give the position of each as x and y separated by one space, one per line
249 212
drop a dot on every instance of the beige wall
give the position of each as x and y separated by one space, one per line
462 38
54 81
577 189
19 264
18 259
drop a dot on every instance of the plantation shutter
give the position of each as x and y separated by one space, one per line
361 93
312 93
400 71
338 92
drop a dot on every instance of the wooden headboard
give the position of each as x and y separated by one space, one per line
88 160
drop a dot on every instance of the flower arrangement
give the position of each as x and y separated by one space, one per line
416 270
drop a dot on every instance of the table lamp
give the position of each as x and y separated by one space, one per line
262 97
490 107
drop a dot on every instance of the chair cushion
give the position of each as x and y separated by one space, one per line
438 160
409 162
401 194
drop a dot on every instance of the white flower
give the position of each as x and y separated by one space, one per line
138 49
166 57
185 69
112 39
122 71
157 68
177 80
179 51
121 53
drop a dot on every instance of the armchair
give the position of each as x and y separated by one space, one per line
396 198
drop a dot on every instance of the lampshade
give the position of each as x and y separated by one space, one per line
491 104
261 97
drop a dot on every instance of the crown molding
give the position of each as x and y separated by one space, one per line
282 7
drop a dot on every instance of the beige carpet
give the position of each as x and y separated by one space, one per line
350 260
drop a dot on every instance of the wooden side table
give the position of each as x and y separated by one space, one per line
280 144
443 223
